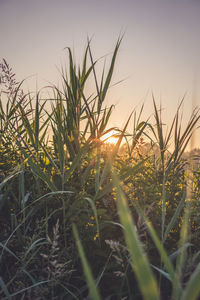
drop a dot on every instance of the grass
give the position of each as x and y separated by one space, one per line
80 218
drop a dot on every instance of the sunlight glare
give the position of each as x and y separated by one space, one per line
109 138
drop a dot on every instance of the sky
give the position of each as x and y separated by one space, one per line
159 53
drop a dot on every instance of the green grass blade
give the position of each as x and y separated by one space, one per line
192 290
4 289
91 283
28 288
39 172
163 207
9 251
182 255
174 217
97 173
35 244
92 204
164 257
36 124
9 177
140 264
110 72
163 273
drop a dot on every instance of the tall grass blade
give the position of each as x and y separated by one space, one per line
94 294
140 264
27 289
4 289
164 257
92 204
182 254
9 177
192 290
174 217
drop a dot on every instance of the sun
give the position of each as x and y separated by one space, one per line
109 138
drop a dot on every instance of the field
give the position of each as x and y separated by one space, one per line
84 219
